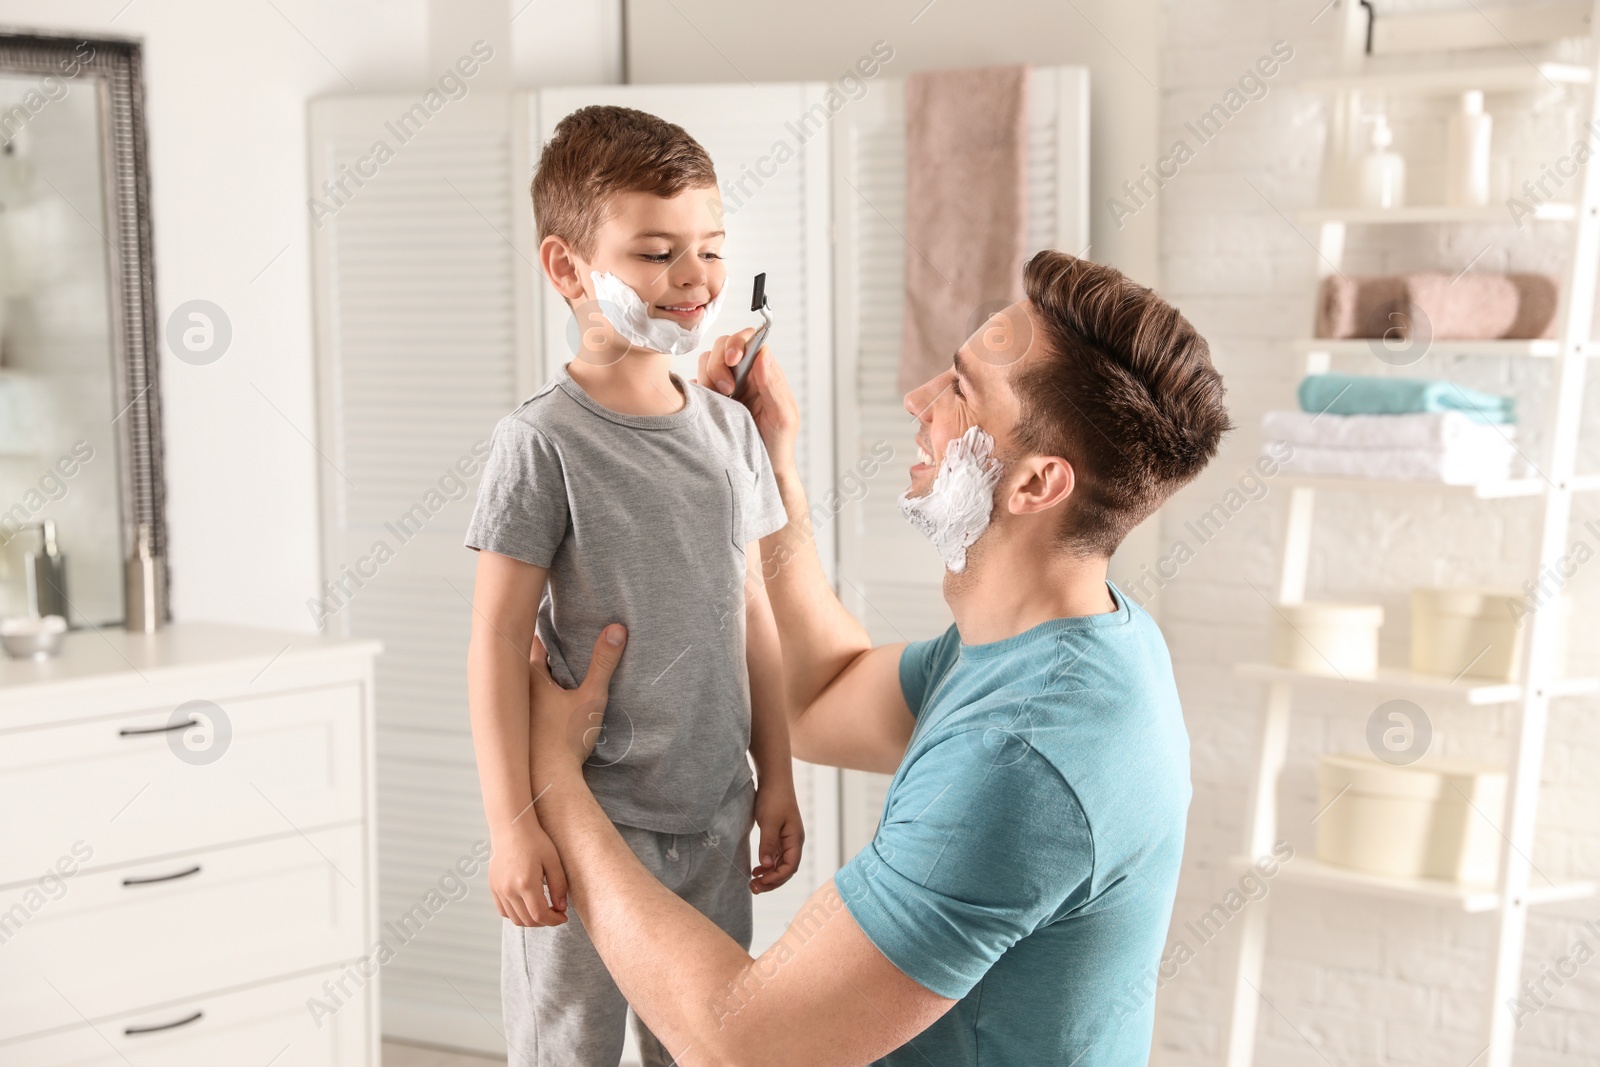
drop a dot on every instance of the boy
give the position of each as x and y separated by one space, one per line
641 499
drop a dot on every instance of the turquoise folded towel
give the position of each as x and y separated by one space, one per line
1355 394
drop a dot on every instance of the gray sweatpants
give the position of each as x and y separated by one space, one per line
560 1005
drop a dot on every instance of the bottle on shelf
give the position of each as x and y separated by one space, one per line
1383 172
1467 158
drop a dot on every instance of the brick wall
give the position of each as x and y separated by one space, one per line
1349 979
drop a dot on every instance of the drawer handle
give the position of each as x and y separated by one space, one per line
162 877
167 729
131 1030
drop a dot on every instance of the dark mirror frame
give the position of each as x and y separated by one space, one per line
114 68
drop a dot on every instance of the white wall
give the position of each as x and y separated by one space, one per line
1349 979
227 86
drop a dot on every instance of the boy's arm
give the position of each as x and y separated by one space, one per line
777 810
504 607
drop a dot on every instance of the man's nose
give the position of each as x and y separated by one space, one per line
920 399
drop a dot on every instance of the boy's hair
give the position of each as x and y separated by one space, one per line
599 151
1125 392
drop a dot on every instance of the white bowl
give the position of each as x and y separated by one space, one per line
28 638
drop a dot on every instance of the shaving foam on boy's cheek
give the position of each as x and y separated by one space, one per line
630 317
957 510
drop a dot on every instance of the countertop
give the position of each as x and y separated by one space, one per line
97 655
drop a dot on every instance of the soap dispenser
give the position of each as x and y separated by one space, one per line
1467 158
1383 172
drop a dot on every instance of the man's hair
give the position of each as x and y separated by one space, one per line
1124 391
599 151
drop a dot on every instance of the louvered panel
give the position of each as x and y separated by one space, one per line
418 329
891 577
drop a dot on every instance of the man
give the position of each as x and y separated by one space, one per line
1022 876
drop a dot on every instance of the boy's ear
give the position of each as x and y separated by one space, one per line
562 266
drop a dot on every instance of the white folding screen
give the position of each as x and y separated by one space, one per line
433 321
421 315
889 576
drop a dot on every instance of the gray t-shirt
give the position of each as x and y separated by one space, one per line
642 520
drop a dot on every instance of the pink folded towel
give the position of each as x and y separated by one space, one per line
966 208
1441 306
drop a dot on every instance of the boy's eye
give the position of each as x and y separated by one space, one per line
655 257
710 255
956 382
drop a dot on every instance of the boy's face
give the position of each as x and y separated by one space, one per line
666 249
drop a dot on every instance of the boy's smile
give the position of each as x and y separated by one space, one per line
666 249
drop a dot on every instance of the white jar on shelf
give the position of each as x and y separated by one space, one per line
1467 155
1383 171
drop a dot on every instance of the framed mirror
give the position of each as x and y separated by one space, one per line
80 407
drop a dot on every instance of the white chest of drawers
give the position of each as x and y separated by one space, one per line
187 851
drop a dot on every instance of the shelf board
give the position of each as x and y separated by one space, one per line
1500 490
1392 682
1549 211
1519 77
1542 348
1473 899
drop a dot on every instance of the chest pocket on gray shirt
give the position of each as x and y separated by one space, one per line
736 506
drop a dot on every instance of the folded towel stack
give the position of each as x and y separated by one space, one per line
1393 428
1356 394
1465 307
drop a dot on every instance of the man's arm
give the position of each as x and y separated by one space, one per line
822 995
504 604
845 703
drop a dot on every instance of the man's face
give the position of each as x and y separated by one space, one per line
974 391
666 249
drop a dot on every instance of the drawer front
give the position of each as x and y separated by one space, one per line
115 790
156 932
267 1024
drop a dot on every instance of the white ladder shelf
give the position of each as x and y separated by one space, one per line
1570 350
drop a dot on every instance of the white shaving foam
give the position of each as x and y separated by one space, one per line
630 317
956 511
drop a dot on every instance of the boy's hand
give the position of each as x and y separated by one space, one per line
524 861
767 392
778 816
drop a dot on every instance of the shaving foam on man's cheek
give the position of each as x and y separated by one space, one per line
956 511
630 316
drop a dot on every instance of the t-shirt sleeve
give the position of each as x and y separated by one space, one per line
922 663
767 515
522 500
978 848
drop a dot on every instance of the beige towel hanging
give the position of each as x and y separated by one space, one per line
966 208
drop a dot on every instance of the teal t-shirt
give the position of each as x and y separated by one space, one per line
1028 854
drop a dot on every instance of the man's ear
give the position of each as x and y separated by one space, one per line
1045 482
562 266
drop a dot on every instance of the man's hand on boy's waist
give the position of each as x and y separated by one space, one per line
565 723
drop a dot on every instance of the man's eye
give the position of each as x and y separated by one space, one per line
956 382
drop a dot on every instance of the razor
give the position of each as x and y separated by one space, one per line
758 302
